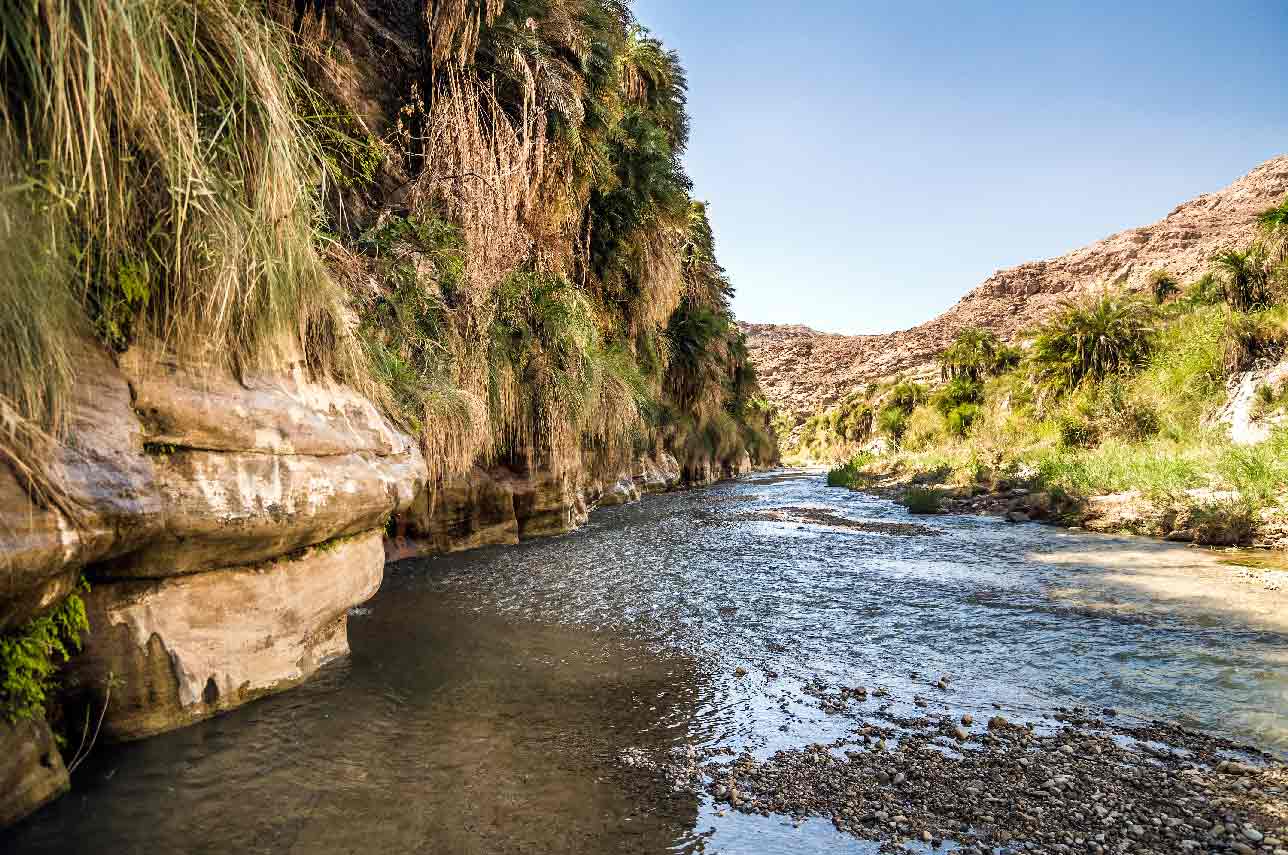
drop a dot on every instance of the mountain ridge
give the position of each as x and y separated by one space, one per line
803 370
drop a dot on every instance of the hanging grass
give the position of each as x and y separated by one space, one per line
155 145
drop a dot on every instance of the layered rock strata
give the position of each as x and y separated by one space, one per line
225 525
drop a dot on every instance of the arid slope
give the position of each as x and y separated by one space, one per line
802 369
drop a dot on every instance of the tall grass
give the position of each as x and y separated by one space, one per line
157 145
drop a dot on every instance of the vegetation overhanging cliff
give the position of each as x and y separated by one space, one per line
280 284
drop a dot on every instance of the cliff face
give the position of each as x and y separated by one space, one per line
226 527
803 370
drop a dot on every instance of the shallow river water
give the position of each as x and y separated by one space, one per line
508 700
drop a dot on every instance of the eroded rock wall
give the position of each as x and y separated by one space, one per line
499 506
226 526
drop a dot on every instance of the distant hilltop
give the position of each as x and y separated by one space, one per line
803 370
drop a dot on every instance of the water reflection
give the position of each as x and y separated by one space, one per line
491 696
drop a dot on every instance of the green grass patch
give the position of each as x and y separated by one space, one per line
31 655
850 474
922 500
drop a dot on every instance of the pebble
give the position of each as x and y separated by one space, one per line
1027 789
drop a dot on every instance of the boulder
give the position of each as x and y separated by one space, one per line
174 651
620 492
657 474
31 769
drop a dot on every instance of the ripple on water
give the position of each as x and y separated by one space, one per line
490 695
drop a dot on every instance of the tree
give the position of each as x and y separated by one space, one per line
1163 285
1092 339
1243 278
976 354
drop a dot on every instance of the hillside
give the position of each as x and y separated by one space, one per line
803 370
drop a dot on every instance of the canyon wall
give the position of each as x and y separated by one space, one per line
226 526
400 225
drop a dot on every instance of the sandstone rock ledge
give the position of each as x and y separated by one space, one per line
226 525
31 769
183 649
502 507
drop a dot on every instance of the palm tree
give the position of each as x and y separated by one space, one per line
976 354
1243 278
1162 285
1092 339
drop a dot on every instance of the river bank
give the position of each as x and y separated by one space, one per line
588 692
1202 517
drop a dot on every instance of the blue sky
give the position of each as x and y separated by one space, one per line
869 162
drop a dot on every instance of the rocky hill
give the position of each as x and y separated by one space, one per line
802 369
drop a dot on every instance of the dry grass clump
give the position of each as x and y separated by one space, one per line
158 146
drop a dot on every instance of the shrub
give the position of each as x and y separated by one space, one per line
1204 291
1244 280
1104 335
856 425
960 390
1258 472
922 500
1254 338
907 395
1122 414
850 474
893 421
976 354
961 417
925 428
1076 432
1226 522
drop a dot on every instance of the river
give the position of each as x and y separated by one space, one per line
512 700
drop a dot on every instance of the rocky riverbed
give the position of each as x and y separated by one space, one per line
1076 781
1203 517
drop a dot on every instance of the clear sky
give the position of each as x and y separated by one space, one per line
868 162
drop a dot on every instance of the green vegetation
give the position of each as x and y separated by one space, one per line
30 656
922 500
1111 394
850 473
193 179
1091 340
510 264
1163 286
157 177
